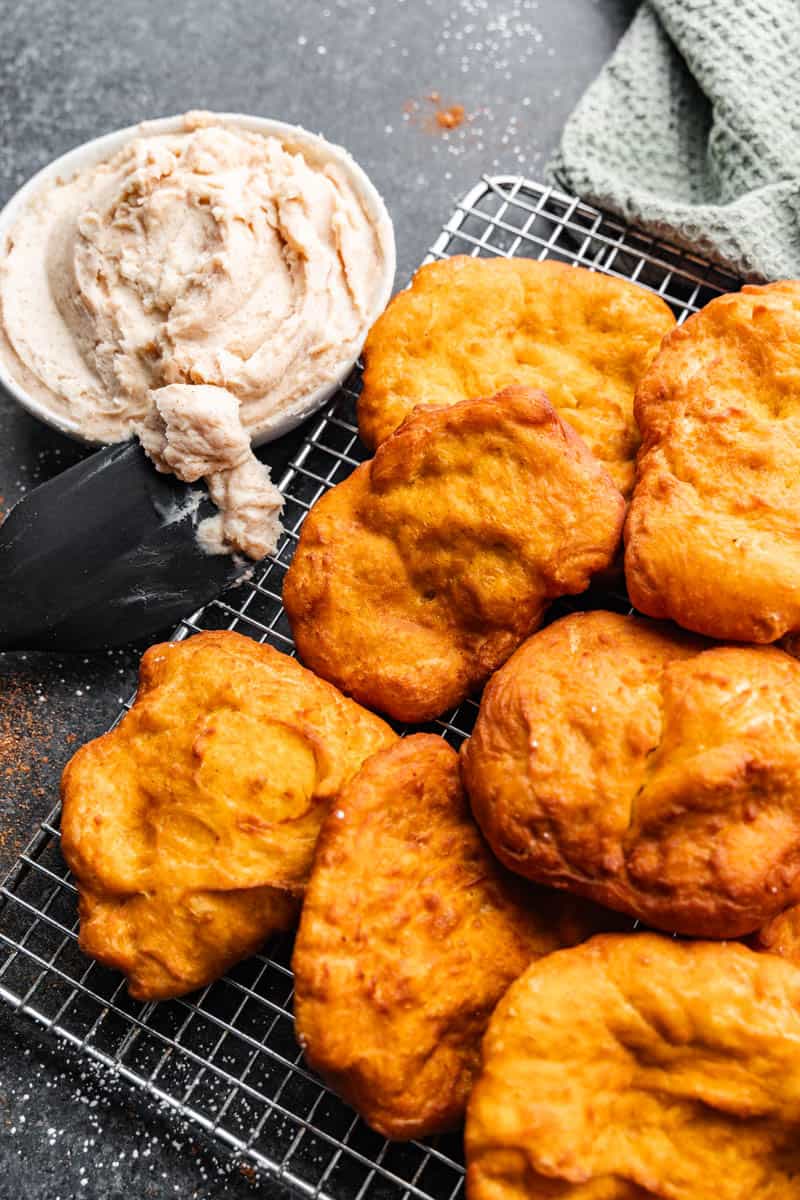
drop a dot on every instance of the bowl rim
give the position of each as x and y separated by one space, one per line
98 149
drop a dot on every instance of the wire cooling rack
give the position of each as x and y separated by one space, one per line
226 1058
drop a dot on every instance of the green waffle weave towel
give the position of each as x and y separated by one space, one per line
692 131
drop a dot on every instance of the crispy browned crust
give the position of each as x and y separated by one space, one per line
635 1067
712 538
190 827
410 933
420 573
469 327
637 766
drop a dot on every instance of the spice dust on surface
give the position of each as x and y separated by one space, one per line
26 742
450 118
434 114
44 716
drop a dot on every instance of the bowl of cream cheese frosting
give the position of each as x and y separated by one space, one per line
208 249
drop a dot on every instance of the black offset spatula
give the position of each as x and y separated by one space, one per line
105 553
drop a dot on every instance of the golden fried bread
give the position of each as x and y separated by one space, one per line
712 539
469 327
420 573
645 769
411 931
190 827
638 1066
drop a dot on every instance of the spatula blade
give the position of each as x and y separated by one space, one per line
106 553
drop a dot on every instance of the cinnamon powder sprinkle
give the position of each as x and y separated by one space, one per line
23 730
26 746
445 117
450 118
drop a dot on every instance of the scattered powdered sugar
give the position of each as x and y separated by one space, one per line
185 508
106 1140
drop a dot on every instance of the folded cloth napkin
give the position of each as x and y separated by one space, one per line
692 131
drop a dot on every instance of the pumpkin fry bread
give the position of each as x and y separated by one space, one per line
190 827
471 326
410 933
636 1067
645 769
420 573
712 539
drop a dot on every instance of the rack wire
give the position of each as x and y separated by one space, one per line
226 1058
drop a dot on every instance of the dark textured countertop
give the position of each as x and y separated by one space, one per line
361 73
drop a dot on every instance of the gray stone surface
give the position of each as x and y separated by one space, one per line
360 73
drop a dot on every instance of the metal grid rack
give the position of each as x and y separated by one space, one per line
226 1058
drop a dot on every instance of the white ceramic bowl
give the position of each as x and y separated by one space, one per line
102 148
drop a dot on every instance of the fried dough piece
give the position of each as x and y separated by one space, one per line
712 538
471 326
628 763
420 573
637 1066
411 931
190 827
